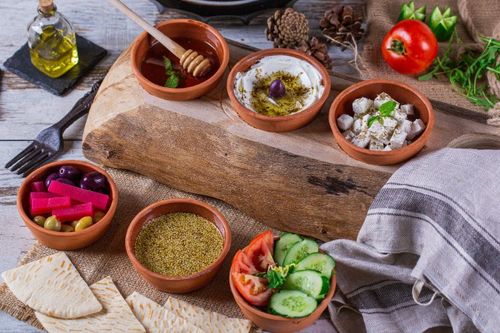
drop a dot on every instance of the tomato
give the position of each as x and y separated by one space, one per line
253 288
409 47
242 264
260 251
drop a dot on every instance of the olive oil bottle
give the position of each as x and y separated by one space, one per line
52 41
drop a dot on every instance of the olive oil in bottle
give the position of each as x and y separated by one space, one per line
52 41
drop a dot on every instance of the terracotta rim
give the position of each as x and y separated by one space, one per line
45 168
248 307
215 76
338 134
141 216
246 62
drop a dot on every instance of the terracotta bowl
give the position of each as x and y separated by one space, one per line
279 123
400 92
279 324
65 240
185 28
178 284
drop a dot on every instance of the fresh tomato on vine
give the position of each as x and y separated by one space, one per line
409 47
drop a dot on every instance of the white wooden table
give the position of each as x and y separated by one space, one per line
26 109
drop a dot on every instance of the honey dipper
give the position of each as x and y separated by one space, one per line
193 62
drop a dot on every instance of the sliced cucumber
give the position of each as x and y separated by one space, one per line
292 304
284 244
310 282
319 262
300 250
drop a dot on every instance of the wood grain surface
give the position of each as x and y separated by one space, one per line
299 181
26 109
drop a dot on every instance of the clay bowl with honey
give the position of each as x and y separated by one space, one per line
65 240
277 123
402 93
148 62
178 284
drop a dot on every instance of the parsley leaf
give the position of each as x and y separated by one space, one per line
387 108
172 81
276 275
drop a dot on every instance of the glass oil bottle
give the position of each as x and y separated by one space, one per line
52 41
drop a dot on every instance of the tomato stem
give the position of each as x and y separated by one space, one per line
398 47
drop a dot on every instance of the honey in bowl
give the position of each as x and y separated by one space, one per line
154 68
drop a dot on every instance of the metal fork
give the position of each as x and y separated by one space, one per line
49 142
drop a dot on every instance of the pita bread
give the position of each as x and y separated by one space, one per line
52 286
157 319
115 317
209 321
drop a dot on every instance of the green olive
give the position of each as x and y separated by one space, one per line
40 220
83 223
74 223
98 216
67 228
52 223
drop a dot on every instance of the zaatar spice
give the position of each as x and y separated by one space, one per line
178 244
291 102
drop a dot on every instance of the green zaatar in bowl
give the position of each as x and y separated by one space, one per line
178 244
292 101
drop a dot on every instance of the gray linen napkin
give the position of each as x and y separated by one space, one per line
428 254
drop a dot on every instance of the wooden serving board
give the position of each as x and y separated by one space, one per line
299 181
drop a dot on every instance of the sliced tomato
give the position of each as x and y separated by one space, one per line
242 264
260 251
253 288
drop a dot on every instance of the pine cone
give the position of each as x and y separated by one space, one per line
287 28
340 22
314 47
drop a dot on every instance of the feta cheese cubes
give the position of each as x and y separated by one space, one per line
386 132
345 122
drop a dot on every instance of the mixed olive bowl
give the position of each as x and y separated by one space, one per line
66 240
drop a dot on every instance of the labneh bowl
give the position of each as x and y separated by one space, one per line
277 123
178 284
181 28
279 324
402 93
66 240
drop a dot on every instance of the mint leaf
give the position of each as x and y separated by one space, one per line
172 81
168 65
372 119
387 108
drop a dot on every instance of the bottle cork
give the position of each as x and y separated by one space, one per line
46 5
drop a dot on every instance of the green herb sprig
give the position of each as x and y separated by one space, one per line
385 110
173 76
467 73
276 275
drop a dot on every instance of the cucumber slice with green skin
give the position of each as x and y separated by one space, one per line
310 282
284 244
300 250
319 262
292 304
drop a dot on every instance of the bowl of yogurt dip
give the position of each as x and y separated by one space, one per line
278 90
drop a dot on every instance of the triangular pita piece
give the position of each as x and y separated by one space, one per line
156 319
115 317
207 320
52 286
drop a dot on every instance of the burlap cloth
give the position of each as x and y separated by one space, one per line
478 17
107 256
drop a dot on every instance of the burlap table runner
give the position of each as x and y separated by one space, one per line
483 17
107 256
